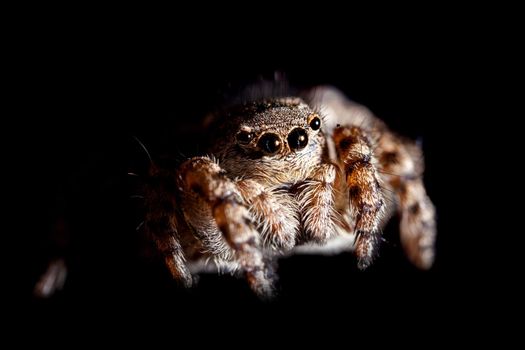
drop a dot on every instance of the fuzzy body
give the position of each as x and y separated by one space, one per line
286 175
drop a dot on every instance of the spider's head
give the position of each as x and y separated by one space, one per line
275 127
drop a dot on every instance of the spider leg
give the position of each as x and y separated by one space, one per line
402 168
354 149
161 223
316 202
213 207
52 280
274 211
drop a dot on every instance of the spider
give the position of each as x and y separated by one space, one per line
283 175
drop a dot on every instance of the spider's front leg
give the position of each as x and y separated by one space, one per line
316 199
354 149
213 206
274 211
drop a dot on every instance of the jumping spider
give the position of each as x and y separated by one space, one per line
283 174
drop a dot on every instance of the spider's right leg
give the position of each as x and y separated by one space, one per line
161 223
275 213
214 207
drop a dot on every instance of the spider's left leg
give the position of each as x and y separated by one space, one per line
402 168
354 149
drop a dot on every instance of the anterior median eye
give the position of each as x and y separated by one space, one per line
297 139
269 143
244 137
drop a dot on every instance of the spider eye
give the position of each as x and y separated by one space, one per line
315 123
297 139
244 137
269 143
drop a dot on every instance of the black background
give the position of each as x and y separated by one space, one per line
80 98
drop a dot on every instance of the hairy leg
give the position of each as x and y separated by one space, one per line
161 223
275 213
316 199
402 167
354 149
213 206
52 280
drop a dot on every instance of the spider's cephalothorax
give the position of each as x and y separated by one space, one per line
276 142
284 175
